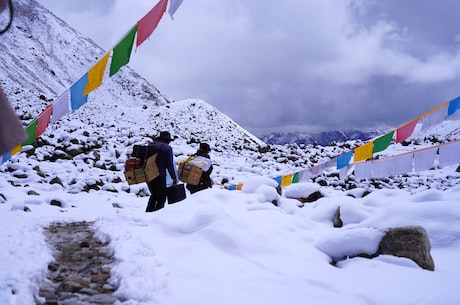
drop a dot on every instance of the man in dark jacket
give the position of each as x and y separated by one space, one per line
205 180
165 162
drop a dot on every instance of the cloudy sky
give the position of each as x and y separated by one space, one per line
292 65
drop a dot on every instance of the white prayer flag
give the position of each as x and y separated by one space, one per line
433 119
363 170
61 107
449 154
173 6
424 160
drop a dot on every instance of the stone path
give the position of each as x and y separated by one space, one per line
81 271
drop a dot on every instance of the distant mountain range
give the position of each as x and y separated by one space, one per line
322 138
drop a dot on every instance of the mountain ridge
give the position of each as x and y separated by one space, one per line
324 138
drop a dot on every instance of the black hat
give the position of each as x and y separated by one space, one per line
165 136
205 147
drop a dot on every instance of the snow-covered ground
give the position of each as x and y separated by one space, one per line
236 247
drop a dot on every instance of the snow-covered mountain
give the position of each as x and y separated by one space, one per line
322 138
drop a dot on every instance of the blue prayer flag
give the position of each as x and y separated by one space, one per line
343 160
453 106
77 99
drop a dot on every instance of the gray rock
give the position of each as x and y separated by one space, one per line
337 220
411 242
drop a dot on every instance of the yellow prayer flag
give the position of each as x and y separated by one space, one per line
16 150
286 180
363 152
96 74
239 186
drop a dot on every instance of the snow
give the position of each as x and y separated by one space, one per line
237 247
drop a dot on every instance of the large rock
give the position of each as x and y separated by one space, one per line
411 242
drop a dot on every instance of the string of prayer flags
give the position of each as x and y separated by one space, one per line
363 152
122 51
173 6
95 74
77 98
149 22
405 131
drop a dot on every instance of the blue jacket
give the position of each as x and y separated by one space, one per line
165 159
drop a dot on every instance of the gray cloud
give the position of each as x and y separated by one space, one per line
315 65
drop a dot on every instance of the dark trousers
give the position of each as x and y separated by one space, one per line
157 188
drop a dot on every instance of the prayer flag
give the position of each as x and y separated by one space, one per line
343 172
305 175
278 180
96 74
424 160
363 152
392 166
31 131
383 142
6 156
286 180
343 160
122 51
149 22
453 106
60 107
232 188
405 131
173 6
44 120
16 149
239 186
77 99
363 170
295 178
434 118
449 154
316 170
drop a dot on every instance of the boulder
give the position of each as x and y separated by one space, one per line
411 242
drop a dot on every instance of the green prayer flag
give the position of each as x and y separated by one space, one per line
122 51
383 142
295 178
31 131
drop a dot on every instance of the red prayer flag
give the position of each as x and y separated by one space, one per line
149 22
43 120
405 131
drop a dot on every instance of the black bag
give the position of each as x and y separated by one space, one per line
142 151
175 193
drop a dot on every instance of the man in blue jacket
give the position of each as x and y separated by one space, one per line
165 162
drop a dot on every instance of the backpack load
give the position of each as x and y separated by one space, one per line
192 168
141 166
